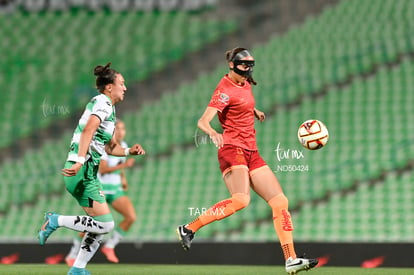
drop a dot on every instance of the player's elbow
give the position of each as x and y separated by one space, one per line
203 124
200 123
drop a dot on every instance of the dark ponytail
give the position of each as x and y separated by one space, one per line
104 76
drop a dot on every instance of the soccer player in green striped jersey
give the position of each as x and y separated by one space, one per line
92 137
111 175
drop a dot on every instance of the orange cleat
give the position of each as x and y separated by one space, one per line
70 261
110 254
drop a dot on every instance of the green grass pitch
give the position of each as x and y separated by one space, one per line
146 269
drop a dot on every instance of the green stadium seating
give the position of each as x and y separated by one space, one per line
55 54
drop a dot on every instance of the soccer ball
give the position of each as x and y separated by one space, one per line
313 134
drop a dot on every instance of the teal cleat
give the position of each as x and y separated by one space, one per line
49 226
78 271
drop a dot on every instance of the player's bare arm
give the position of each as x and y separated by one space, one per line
115 149
205 126
85 139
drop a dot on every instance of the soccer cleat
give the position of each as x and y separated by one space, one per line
293 266
110 254
186 236
70 261
49 226
78 271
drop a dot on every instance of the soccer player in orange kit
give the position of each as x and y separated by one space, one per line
241 165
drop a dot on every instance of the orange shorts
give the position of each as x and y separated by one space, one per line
230 157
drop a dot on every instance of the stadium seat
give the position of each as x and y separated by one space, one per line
74 47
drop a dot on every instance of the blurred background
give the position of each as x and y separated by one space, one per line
347 63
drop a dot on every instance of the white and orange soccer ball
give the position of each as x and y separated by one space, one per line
313 134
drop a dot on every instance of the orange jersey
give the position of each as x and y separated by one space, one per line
235 104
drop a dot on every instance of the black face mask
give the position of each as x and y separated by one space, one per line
248 63
237 60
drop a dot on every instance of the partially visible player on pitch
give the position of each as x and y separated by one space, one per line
92 137
111 175
241 165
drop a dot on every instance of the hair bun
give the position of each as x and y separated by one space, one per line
102 71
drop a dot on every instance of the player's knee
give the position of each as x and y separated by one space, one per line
103 224
130 218
240 200
279 201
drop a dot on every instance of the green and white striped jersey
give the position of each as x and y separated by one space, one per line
102 107
111 182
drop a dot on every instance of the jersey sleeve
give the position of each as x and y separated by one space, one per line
124 144
102 108
219 100
104 156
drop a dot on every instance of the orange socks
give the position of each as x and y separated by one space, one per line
220 210
281 218
283 224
